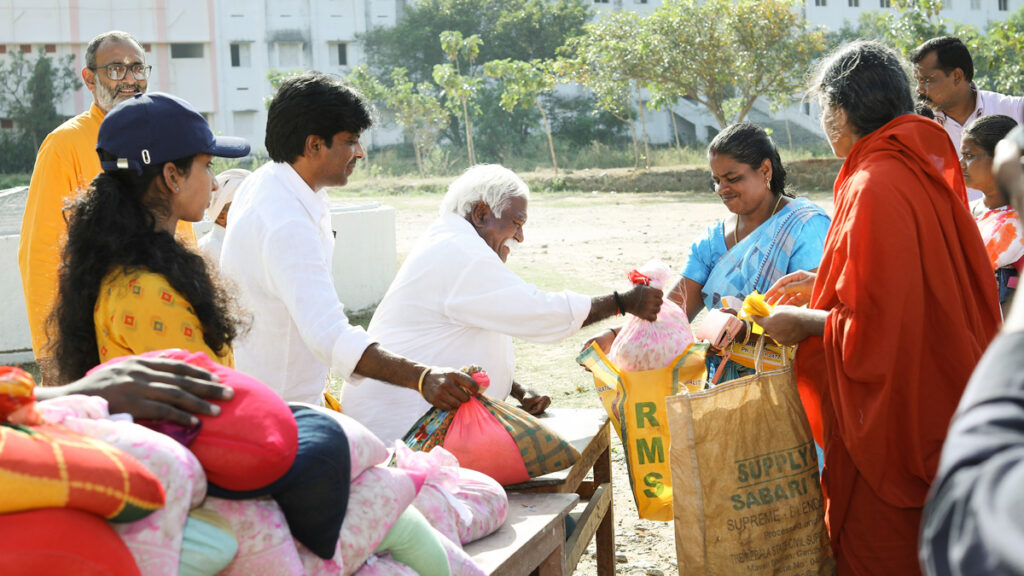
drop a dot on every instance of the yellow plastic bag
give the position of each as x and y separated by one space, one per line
635 402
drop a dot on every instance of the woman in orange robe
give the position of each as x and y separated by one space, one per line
899 312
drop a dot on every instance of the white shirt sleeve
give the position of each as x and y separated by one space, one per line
488 295
296 264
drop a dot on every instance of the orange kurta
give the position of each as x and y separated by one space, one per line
912 306
65 165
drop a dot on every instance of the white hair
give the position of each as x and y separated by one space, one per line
492 184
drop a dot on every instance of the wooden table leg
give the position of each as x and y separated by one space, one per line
552 565
605 537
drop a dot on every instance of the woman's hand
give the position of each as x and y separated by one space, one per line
793 289
603 339
790 325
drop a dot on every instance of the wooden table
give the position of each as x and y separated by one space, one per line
588 430
532 539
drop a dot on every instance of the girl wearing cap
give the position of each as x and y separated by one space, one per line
126 285
227 182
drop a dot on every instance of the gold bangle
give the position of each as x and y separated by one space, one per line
423 376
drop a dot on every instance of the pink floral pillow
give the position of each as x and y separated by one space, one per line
364 448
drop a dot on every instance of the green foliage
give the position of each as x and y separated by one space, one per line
415 107
460 88
520 29
523 83
13 180
725 54
906 26
612 61
999 61
29 93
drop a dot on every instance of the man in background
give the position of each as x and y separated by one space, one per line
115 70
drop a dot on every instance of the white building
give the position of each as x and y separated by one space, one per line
217 54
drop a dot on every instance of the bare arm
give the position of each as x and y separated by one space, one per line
687 294
445 388
640 301
529 400
150 389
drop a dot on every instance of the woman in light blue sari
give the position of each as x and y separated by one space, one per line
769 234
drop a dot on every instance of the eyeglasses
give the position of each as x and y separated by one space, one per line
118 71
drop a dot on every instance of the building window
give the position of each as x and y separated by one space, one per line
240 55
6 123
884 3
26 48
821 2
339 54
289 54
3 48
186 50
1003 5
854 3
600 1
147 47
975 4
50 48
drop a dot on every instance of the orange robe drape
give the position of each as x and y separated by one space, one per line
912 305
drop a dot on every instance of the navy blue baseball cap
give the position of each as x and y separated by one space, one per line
150 129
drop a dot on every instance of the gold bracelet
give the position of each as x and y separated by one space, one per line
423 376
750 331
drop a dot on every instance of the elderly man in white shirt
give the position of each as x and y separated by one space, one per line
944 71
278 248
455 302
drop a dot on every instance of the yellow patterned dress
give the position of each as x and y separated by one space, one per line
138 311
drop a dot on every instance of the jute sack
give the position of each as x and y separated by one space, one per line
746 493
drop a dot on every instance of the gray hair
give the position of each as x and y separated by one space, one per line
492 184
868 81
112 36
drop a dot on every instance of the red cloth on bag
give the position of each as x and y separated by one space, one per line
912 307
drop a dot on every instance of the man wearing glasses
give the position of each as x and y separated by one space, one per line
115 70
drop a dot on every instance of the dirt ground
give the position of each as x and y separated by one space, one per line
586 242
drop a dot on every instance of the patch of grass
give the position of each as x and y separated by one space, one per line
13 180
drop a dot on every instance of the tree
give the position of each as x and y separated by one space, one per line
1000 54
518 29
726 54
416 107
30 91
610 61
523 84
905 27
459 88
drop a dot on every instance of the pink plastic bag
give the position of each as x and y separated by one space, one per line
642 345
482 443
